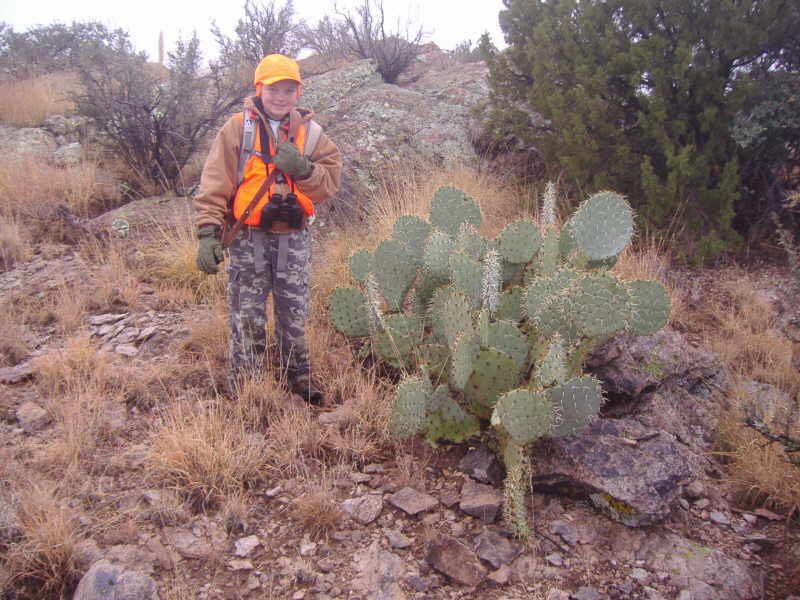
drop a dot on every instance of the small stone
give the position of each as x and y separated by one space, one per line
449 497
451 557
719 518
106 319
566 531
308 549
640 575
482 465
495 549
146 334
587 593
749 518
417 583
702 503
127 350
360 477
240 565
500 576
127 336
684 503
555 559
481 501
273 492
32 417
299 595
325 565
374 468
253 583
244 546
397 539
411 501
105 580
694 490
364 509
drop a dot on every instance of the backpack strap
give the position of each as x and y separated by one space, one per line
313 133
249 124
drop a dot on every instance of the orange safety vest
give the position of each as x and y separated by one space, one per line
255 172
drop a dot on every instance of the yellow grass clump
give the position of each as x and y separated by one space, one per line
28 102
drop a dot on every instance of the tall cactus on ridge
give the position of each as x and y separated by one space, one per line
497 330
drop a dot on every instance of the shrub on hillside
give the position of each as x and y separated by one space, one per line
153 119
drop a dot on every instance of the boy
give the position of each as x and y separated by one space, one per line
265 199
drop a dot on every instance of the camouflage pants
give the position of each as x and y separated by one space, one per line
262 263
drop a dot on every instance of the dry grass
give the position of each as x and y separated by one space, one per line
28 102
206 454
13 348
116 281
42 562
76 368
14 245
317 510
172 259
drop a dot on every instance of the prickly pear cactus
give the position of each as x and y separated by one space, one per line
502 326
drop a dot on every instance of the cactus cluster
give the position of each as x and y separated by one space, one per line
497 329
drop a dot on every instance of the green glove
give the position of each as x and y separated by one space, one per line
289 160
209 252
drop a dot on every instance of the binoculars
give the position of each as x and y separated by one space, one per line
283 208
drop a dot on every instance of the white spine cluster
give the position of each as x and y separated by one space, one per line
491 280
549 204
374 304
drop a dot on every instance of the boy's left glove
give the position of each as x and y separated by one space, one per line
289 160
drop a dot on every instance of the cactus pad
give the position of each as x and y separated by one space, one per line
552 369
436 256
603 225
507 338
410 405
467 275
548 258
469 242
494 373
450 422
436 357
361 264
450 208
395 271
412 232
578 401
509 308
466 352
599 304
401 335
525 414
519 242
347 307
455 317
650 306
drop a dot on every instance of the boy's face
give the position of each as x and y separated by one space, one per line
280 98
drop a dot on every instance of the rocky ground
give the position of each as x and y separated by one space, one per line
634 507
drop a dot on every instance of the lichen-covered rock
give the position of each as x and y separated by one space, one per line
631 473
68 155
106 581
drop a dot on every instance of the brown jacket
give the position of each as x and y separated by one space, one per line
218 182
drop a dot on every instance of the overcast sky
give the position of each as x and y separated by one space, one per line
448 21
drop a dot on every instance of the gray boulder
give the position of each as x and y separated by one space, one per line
68 155
106 581
631 473
28 140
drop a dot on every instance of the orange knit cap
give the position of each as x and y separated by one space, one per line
276 67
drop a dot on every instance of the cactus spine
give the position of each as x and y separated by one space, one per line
503 325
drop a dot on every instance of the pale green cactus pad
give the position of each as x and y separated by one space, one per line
361 264
410 407
519 242
436 256
469 242
599 305
450 208
650 306
552 369
424 288
462 363
548 258
577 402
455 316
525 414
603 225
400 337
494 373
347 307
509 307
507 338
395 272
437 357
467 275
412 232
436 309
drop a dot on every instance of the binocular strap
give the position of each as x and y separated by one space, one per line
283 252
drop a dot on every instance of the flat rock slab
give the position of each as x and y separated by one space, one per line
496 549
707 573
364 509
32 417
634 482
17 374
379 574
451 557
482 465
105 581
411 501
481 501
244 546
